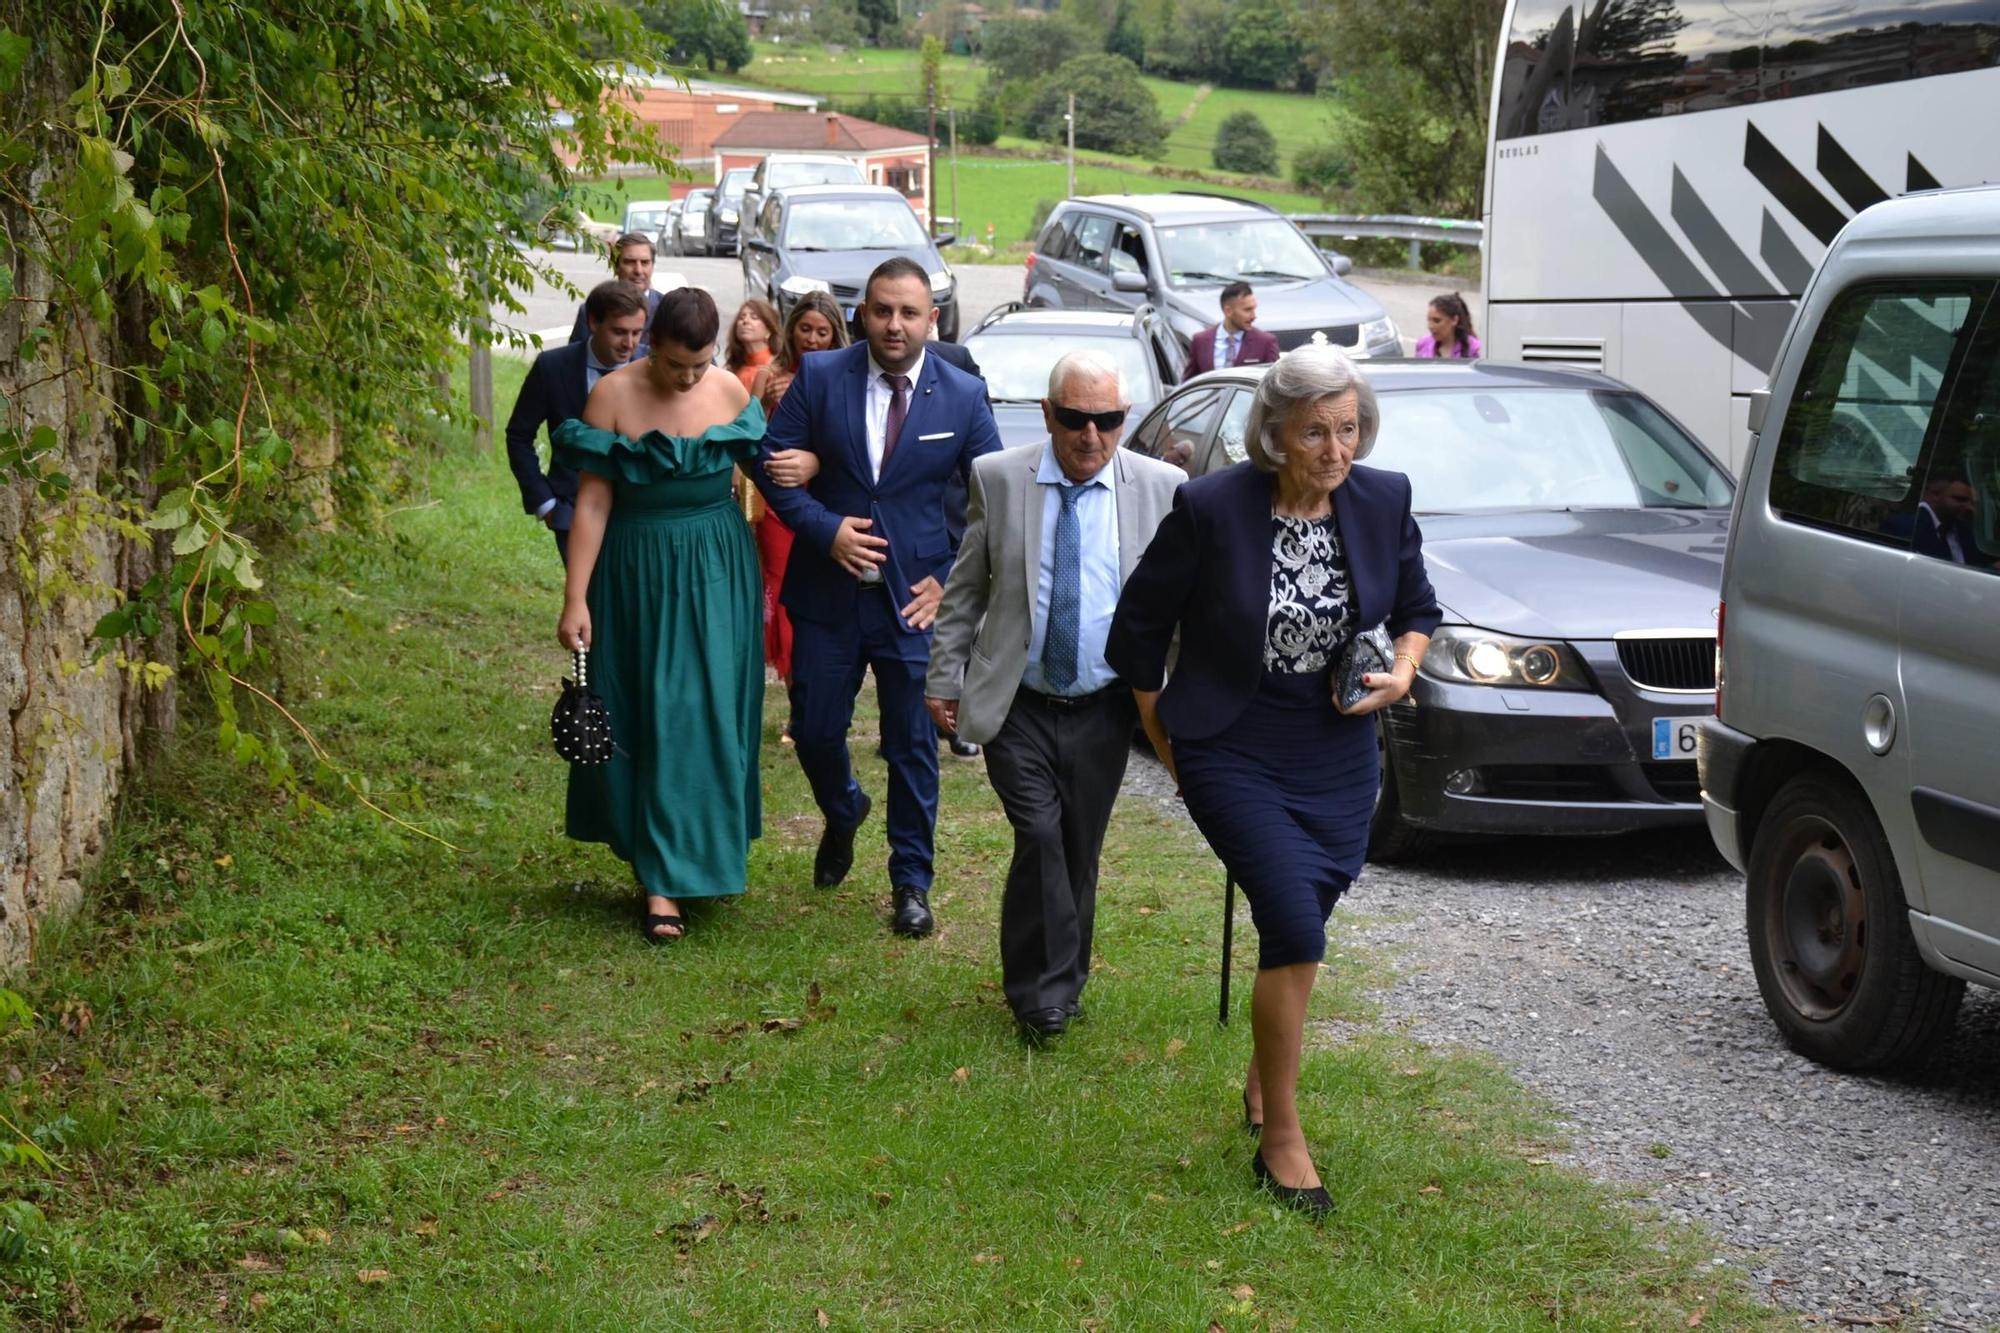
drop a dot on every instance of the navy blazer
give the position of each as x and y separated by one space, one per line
552 393
826 410
1207 574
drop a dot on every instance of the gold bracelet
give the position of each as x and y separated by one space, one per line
1405 657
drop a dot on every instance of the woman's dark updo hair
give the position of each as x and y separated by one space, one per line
1452 306
686 317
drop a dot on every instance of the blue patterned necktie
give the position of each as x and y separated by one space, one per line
1065 597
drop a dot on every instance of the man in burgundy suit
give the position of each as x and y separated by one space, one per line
1233 342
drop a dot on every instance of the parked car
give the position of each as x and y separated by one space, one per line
1852 769
646 216
783 171
1574 534
1016 346
690 230
828 238
725 209
1176 252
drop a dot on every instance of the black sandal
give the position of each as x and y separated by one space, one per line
654 920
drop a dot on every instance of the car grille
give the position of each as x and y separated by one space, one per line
1344 334
1675 781
1549 782
1669 664
842 293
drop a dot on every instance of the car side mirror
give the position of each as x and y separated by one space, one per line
759 243
1129 282
947 238
1341 265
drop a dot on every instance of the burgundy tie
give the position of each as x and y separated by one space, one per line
899 408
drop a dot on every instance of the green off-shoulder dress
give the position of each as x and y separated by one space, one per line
677 654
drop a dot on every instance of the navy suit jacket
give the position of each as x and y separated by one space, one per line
552 393
825 410
1207 574
1259 348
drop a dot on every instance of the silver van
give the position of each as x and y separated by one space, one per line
1852 771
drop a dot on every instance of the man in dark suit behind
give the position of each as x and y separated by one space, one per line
631 260
1233 342
890 425
1943 528
558 382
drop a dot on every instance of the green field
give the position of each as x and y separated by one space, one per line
1295 119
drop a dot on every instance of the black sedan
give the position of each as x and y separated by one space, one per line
1016 346
1574 533
829 238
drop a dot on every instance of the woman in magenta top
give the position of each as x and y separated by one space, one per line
1451 329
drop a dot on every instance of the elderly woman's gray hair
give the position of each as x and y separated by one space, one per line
1306 375
1085 364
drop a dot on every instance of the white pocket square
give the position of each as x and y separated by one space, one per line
938 435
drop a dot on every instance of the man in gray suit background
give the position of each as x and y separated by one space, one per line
1017 665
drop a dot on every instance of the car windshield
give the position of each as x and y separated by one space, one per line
734 182
645 220
1206 253
1017 365
830 171
697 201
853 224
1471 449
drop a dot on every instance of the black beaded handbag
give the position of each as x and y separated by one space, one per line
580 725
1369 651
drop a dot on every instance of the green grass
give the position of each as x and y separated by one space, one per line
308 1072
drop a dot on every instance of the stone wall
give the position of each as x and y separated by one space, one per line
71 730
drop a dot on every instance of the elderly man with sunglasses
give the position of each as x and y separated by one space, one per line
1017 665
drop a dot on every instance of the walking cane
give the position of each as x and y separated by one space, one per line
1228 932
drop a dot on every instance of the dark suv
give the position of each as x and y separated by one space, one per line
724 208
1177 251
829 238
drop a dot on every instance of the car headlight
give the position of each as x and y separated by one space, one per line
802 286
941 282
1378 331
1471 656
728 215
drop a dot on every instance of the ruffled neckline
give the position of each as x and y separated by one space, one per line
656 455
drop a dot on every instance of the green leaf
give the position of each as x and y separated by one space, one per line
212 334
113 624
190 539
14 50
7 280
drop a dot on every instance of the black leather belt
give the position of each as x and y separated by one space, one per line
1076 703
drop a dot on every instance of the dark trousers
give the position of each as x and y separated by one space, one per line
1057 771
562 544
828 662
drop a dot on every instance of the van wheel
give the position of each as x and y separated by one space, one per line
1830 934
1391 837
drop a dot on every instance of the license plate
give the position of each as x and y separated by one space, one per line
1674 737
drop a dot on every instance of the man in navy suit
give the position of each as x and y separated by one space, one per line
1943 527
891 425
557 384
1233 342
632 261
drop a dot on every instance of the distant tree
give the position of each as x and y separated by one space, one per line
1322 169
1244 143
1092 17
1025 49
1127 37
880 17
1190 46
1115 110
703 32
1261 47
838 23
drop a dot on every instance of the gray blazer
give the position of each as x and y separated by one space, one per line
980 646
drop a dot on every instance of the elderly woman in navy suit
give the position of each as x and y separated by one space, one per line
1268 570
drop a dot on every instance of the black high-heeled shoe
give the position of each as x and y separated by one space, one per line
1315 1202
1252 1127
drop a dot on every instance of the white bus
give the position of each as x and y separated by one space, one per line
1664 175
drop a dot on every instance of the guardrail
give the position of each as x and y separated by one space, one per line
1395 226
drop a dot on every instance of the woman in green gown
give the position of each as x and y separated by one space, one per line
663 590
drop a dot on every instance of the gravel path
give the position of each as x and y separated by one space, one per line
1613 978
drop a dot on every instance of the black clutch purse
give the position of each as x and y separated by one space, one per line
580 725
1369 651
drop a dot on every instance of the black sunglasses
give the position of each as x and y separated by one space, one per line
1072 419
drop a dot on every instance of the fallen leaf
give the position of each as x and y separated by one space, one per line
372 1276
259 1299
1175 1047
1243 1291
883 1198
142 1323
225 860
1430 1189
1145 911
985 1258
824 1320
959 1075
1214 1327
427 1227
75 1017
255 1263
783 1024
319 1235
1242 1226
1694 1320
1156 1198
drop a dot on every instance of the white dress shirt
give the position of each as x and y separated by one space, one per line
1097 570
880 396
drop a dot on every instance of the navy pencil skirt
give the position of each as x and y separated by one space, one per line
1284 796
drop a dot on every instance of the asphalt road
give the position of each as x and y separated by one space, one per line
550 311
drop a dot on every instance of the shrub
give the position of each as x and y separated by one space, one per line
1243 143
1322 169
1115 110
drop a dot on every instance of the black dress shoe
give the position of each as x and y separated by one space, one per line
836 850
1039 1024
1074 1009
913 912
963 749
1315 1202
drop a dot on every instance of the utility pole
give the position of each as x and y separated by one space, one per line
1070 121
930 151
957 219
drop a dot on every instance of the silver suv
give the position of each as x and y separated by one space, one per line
1178 251
1853 768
